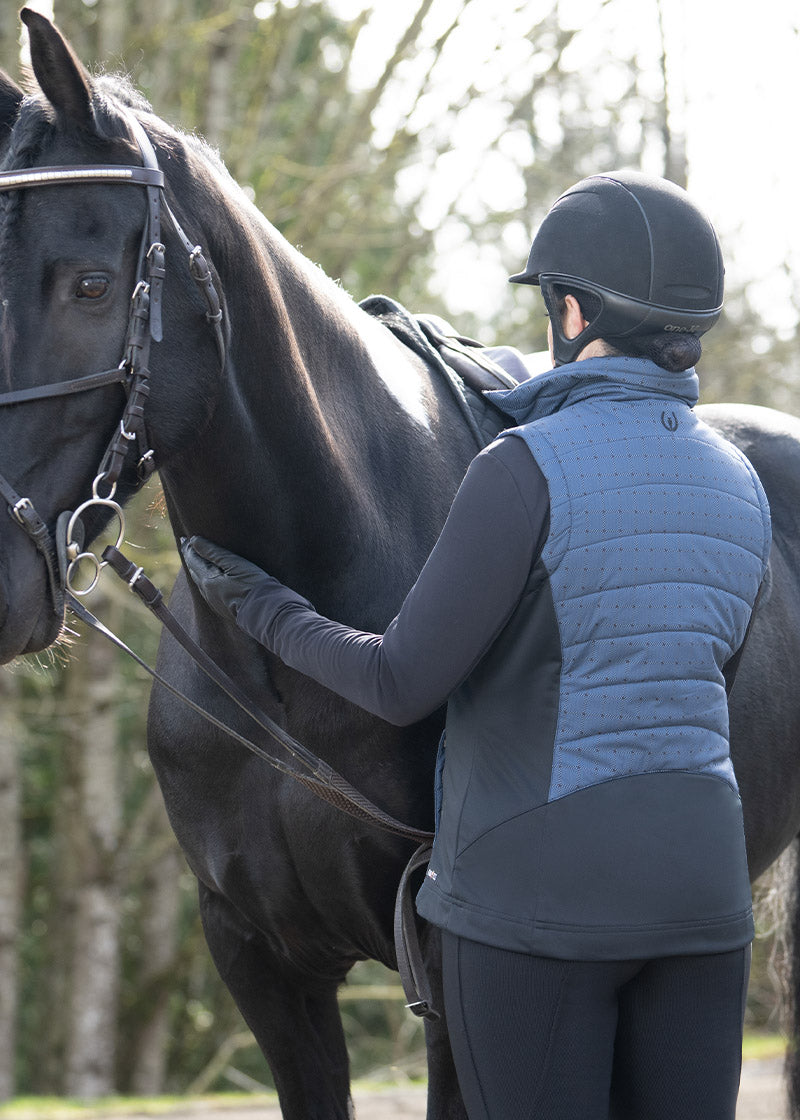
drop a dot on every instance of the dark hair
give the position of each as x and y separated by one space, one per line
673 352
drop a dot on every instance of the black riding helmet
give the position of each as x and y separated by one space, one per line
641 247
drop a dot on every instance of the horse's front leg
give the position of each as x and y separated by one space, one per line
297 1027
444 1095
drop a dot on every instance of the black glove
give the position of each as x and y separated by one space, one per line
223 578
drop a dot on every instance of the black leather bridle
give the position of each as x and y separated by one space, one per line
63 554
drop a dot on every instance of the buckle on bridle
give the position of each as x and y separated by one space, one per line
135 578
18 507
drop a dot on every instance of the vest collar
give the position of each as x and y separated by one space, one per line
614 378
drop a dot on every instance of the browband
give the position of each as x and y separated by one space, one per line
44 176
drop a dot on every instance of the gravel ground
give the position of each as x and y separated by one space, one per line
761 1098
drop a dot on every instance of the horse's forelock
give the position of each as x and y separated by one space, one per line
33 125
37 123
119 88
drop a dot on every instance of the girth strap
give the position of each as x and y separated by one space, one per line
410 964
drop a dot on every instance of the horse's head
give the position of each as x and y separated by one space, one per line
72 253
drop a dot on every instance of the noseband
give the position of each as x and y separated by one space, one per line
63 556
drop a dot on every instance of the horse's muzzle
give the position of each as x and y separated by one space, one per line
28 622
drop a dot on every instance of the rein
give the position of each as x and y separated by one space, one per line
321 778
64 554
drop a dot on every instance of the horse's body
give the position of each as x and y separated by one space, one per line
326 453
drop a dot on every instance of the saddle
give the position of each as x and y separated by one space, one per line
466 368
465 356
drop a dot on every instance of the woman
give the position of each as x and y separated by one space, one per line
582 613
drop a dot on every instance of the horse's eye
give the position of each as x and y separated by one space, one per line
92 287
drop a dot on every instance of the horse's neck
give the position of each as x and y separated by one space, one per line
287 472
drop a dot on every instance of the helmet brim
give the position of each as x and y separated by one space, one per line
523 278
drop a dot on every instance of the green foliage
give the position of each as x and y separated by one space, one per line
276 95
748 360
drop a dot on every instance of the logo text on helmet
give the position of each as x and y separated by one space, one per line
683 330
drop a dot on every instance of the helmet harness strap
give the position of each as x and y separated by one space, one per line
565 350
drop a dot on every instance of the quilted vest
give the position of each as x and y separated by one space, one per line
588 805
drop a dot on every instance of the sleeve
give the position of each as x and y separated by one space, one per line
463 597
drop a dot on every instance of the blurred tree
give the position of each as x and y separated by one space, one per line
9 44
270 84
89 843
746 359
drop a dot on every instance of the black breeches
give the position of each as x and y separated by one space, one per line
542 1039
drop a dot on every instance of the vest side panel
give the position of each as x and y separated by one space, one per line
501 726
592 880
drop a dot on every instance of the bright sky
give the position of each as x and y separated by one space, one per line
734 73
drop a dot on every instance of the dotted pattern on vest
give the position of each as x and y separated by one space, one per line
656 551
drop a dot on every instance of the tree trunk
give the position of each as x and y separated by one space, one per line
93 836
9 45
225 46
10 877
113 30
159 933
675 159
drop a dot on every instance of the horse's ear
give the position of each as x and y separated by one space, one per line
10 100
60 75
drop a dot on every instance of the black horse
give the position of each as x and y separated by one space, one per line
326 452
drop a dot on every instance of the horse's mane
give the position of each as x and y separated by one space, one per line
37 122
113 90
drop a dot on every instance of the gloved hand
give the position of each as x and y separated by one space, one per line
223 578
